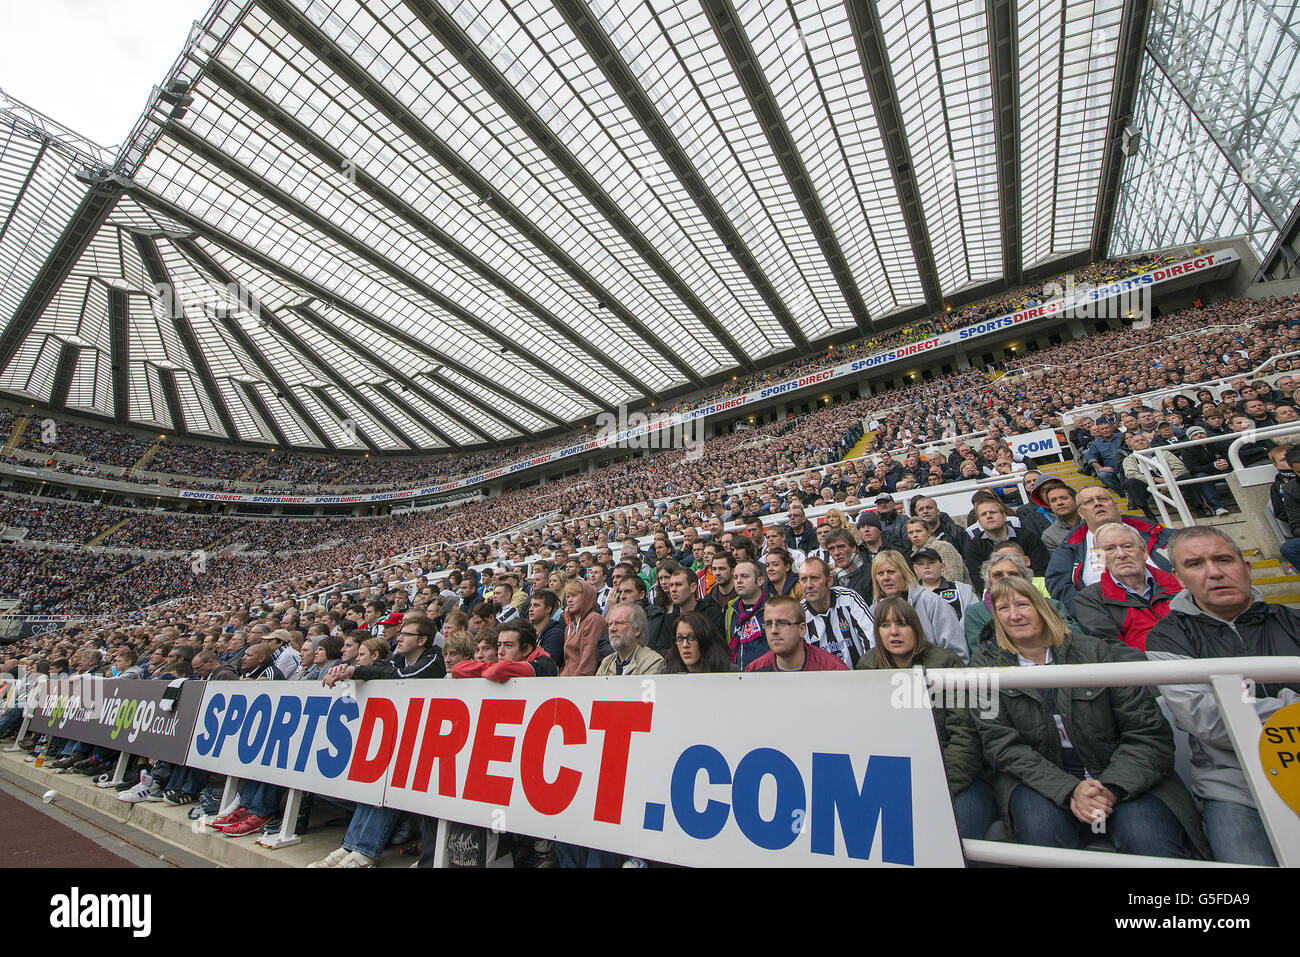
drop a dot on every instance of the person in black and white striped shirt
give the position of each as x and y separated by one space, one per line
839 619
502 592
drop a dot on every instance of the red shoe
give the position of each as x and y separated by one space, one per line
238 814
248 824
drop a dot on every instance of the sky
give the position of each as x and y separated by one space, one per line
90 64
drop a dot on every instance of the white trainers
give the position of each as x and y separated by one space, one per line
332 859
356 859
138 793
154 792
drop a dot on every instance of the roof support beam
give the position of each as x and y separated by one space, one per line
1134 22
597 44
307 314
68 356
740 53
1003 62
274 268
158 275
228 165
172 393
395 112
448 32
870 40
307 354
81 229
327 400
119 353
204 263
254 398
226 79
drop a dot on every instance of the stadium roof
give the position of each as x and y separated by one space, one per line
425 225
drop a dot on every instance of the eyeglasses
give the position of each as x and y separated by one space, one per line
687 640
779 623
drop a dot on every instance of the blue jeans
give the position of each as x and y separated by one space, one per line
260 799
11 720
370 829
1205 491
1112 480
571 855
1141 825
1291 551
1236 833
976 810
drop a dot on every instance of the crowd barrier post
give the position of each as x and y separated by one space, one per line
119 771
22 732
1235 696
286 836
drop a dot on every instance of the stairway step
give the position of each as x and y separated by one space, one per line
1283 599
1276 579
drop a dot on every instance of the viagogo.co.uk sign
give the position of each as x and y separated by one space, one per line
696 771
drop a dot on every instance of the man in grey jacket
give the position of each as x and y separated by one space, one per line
1220 615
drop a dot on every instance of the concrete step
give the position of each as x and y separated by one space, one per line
172 824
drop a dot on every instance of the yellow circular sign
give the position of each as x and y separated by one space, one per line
1279 753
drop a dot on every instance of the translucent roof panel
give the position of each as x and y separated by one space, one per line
1217 131
808 56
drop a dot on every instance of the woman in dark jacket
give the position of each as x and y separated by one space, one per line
1075 762
781 579
697 648
901 643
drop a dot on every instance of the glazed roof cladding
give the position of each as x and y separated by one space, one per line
439 224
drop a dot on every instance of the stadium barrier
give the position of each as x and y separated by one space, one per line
657 767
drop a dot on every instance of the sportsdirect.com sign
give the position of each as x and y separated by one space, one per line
694 771
818 377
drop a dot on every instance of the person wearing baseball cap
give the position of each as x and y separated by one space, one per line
391 625
927 564
1058 499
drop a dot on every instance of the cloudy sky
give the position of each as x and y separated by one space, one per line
90 64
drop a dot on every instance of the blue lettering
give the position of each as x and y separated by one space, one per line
779 832
286 718
886 795
205 740
234 717
250 740
332 764
313 710
699 824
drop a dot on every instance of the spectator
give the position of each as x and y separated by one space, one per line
901 642
783 621
1220 614
1131 596
838 619
892 577
697 648
628 627
1065 764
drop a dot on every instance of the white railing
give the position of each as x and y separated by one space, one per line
1234 693
1167 490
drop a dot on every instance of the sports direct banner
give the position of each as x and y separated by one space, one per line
122 714
699 770
818 377
1035 444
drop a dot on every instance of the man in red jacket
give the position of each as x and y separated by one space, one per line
1132 594
785 622
518 656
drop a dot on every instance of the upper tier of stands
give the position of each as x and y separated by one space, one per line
181 464
665 490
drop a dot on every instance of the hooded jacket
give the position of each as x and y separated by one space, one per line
1109 610
1188 632
537 665
1065 570
1056 531
582 634
1118 734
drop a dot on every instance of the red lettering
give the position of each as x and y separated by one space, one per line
1176 269
618 719
410 728
490 746
440 747
368 770
550 797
